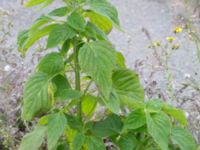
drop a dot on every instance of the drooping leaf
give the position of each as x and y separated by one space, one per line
34 139
178 114
76 21
51 64
36 98
100 21
183 139
94 143
126 83
59 12
127 142
98 60
89 104
106 9
159 127
59 34
56 127
112 125
135 119
78 141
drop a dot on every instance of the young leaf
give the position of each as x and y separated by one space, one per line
98 60
135 119
106 9
126 82
89 104
34 139
127 142
76 21
31 3
159 127
51 64
112 125
56 127
36 98
78 141
94 143
59 12
120 60
59 34
183 139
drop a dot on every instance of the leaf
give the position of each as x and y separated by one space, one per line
22 38
98 60
154 105
131 102
105 9
76 21
120 60
100 21
42 20
51 64
59 12
56 127
78 141
67 94
65 48
94 143
178 114
159 127
89 104
127 142
113 103
112 125
183 139
36 98
31 3
135 119
74 123
126 83
59 34
34 139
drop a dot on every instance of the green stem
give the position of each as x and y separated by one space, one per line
77 77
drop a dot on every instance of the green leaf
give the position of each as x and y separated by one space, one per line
106 9
127 142
74 123
22 38
112 125
178 114
76 21
131 102
59 12
51 64
89 104
94 143
126 83
159 128
59 34
65 48
56 127
42 20
154 105
31 3
183 139
36 98
78 141
98 60
34 139
68 94
100 21
113 103
135 119
120 60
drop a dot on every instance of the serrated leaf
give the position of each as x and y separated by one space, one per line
94 143
36 98
89 104
76 21
34 139
112 125
159 127
59 12
105 9
100 21
178 114
126 83
51 64
127 142
98 59
59 34
183 139
135 119
56 127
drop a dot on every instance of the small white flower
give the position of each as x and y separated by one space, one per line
187 114
7 68
187 76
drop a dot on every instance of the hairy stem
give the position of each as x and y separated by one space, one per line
77 77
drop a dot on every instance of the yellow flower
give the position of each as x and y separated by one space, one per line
170 39
178 30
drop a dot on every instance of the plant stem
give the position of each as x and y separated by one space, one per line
77 77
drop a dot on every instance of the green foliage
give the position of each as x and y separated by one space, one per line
67 110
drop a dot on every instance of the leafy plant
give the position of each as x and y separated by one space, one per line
67 110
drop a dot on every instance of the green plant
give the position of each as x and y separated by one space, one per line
67 109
